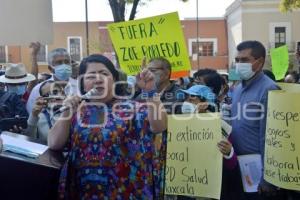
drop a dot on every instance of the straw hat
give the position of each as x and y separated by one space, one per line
16 73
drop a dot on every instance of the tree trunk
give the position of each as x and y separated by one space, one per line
118 9
133 10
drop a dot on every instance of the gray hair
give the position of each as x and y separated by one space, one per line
57 52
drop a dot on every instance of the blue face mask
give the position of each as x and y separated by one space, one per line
244 70
63 72
18 89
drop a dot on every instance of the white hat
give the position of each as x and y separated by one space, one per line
16 73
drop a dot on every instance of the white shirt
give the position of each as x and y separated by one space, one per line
34 94
71 88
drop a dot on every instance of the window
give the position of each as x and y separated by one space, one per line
280 36
42 55
2 54
205 48
75 48
280 33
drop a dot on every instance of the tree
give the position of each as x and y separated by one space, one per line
118 8
289 5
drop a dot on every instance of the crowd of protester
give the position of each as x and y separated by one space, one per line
124 158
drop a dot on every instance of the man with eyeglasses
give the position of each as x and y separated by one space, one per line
170 94
250 98
59 64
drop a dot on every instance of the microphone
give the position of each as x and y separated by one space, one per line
87 95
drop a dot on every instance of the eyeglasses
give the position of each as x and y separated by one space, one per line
156 69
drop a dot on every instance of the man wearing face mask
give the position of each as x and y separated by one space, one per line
248 128
59 64
15 79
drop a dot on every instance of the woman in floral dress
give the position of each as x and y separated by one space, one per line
110 140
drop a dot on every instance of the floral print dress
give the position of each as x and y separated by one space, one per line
113 160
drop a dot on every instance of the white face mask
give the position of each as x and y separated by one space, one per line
63 72
188 107
244 70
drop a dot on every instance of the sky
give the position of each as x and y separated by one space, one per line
99 10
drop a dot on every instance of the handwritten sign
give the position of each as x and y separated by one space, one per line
289 87
159 36
282 146
194 163
280 61
27 21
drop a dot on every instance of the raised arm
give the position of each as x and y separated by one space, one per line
157 114
35 48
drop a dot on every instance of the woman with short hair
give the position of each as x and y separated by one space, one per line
110 140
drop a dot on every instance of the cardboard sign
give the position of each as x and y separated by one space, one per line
282 145
194 163
153 37
280 61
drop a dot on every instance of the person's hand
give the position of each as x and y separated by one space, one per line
267 189
225 147
1 145
40 103
35 48
16 129
72 103
145 80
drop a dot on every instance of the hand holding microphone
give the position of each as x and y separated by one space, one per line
72 102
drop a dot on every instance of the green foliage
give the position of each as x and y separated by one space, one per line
118 8
289 5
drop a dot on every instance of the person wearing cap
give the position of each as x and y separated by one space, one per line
59 64
209 77
201 99
15 79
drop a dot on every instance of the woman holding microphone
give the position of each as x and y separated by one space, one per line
110 141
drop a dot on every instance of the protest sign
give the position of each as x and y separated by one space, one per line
282 145
159 36
194 163
289 87
27 21
280 61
